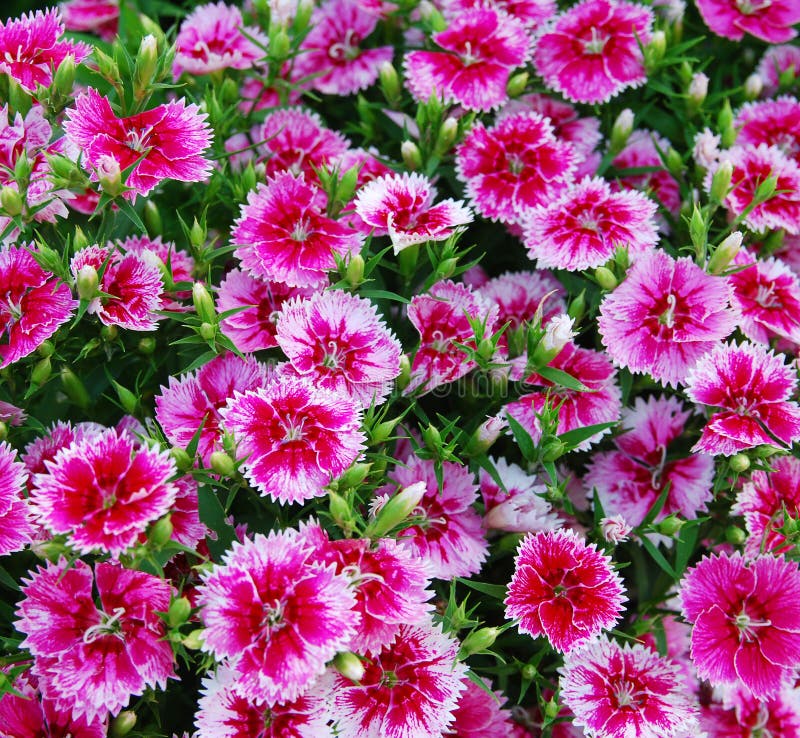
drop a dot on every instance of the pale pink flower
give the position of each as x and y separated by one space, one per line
409 690
276 614
752 386
776 60
744 716
706 150
32 49
196 399
91 660
665 316
482 45
34 304
770 21
295 436
12 414
615 529
92 16
401 206
284 235
515 165
591 52
771 122
174 262
563 589
16 530
626 692
479 714
213 37
746 621
256 95
338 341
166 142
518 295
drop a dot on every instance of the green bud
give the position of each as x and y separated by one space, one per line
396 510
553 450
208 331
405 372
432 437
411 156
739 463
432 17
446 136
222 464
721 182
698 230
182 459
109 333
179 611
725 125
147 345
46 348
302 16
724 253
10 201
577 308
339 509
197 235
766 189
122 724
3 430
194 640
74 389
446 268
605 278
674 162
279 45
354 476
670 525
765 451
381 432
786 77
697 90
735 535
484 436
478 641
390 83
790 526
528 672
551 709
655 50
129 401
161 532
203 303
347 184
87 282
229 92
79 240
517 84
41 371
621 130
152 218
64 78
753 86
354 272
349 665
486 349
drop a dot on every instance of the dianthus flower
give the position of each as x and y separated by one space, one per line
752 386
563 589
31 48
518 296
278 615
212 37
177 263
515 165
771 122
33 304
626 692
295 436
60 435
482 45
409 690
166 142
583 228
479 714
665 316
92 16
744 716
776 60
16 530
91 660
195 399
401 205
769 20
591 52
338 341
283 233
746 621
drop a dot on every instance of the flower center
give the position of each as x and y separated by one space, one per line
627 695
272 617
515 164
766 297
667 318
108 625
346 50
595 44
137 139
293 430
746 7
467 57
747 626
330 359
301 231
389 679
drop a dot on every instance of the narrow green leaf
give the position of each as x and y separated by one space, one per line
562 379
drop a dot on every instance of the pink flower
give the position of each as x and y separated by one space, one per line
103 491
516 165
770 21
591 52
665 316
276 614
166 142
92 16
626 691
197 398
584 227
92 660
531 13
615 529
482 45
213 37
295 436
33 304
518 296
339 342
176 263
409 690
31 49
752 386
746 621
563 589
401 205
744 716
332 53
479 714
777 59
16 530
60 435
771 122
283 233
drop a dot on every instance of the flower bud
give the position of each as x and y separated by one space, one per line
478 641
194 640
727 130
485 435
698 90
122 724
161 532
605 278
411 156
766 189
302 16
721 181
396 510
431 15
109 175
354 273
87 282
621 130
3 430
179 611
129 401
279 45
349 665
208 331
753 86
222 464
405 372
446 136
339 509
73 388
553 450
674 162
146 62
64 78
197 235
381 432
725 253
41 371
670 525
10 201
557 334
390 83
615 529
354 476
528 672
655 50
735 535
517 84
152 219
182 459
147 345
432 437
698 230
739 463
446 268
577 308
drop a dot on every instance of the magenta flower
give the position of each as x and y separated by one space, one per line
744 716
591 52
563 589
197 398
770 21
401 205
283 233
92 16
746 621
175 262
31 48
482 46
295 437
213 37
531 13
103 490
33 304
777 59
16 530
518 295
625 691
166 142
584 227
479 714
276 614
752 386
409 690
91 660
665 316
339 342
516 165
771 122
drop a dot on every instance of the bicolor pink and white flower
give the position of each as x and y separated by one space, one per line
776 61
176 263
16 530
769 21
742 715
92 16
480 714
520 295
771 122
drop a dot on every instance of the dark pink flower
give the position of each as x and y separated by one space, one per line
665 316
166 142
746 620
60 435
626 692
563 589
744 716
33 304
482 45
531 13
479 714
16 530
174 262
584 227
771 122
752 386
276 614
776 60
770 20
91 660
92 16
31 48
591 52
518 295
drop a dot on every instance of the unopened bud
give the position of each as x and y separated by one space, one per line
194 640
670 525
178 612
577 308
605 278
396 510
553 450
528 672
3 430
404 377
73 388
64 78
725 253
753 86
727 130
739 463
674 162
122 724
354 476
735 535
721 181
517 84
655 50
147 345
698 90
354 273
109 175
557 334
339 509
431 15
87 282
182 459
129 401
446 136
485 436
766 189
197 235
152 218
79 240
432 437
161 532
446 268
349 666
46 348
203 303
222 464
621 130
411 156
698 230
390 83
41 371
208 331
280 45
10 201
478 641
615 529
382 432
765 451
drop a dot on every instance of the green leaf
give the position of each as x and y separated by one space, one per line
562 379
575 438
657 507
498 591
384 295
523 439
213 515
127 208
658 557
685 545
